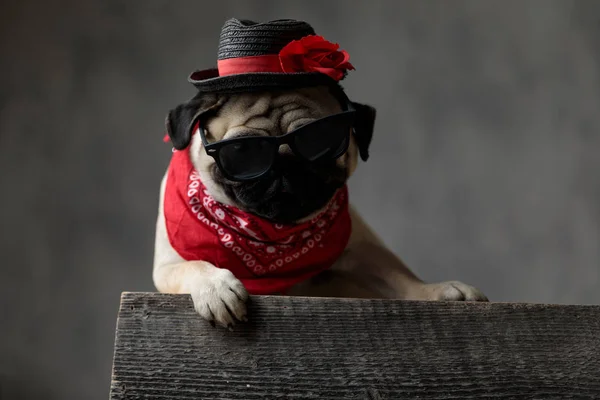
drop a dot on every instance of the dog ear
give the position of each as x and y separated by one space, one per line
180 120
363 128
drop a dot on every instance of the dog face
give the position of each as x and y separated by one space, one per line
293 190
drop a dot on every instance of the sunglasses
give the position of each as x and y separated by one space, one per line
250 157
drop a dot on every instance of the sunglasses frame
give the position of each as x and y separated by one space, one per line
213 149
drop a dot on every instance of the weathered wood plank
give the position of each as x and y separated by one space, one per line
307 348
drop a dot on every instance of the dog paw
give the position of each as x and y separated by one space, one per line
452 291
220 298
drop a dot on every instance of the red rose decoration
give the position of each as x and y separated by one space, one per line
315 54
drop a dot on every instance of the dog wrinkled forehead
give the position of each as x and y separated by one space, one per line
276 112
271 113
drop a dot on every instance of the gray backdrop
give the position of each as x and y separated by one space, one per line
484 164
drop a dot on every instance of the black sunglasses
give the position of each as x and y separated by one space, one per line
250 157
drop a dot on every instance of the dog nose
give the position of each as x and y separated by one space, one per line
286 162
286 186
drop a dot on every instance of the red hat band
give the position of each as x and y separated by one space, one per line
312 53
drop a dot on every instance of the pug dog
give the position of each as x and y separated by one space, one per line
292 192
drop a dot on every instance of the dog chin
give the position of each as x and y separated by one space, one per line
288 208
289 198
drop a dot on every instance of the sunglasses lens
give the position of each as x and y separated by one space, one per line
247 158
327 138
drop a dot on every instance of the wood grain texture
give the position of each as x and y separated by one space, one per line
308 348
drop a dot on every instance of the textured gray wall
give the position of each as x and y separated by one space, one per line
484 166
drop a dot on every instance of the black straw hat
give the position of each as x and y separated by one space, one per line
277 54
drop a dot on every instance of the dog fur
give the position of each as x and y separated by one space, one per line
366 269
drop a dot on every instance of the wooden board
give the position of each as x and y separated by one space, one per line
309 348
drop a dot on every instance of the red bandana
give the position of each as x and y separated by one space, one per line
268 258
